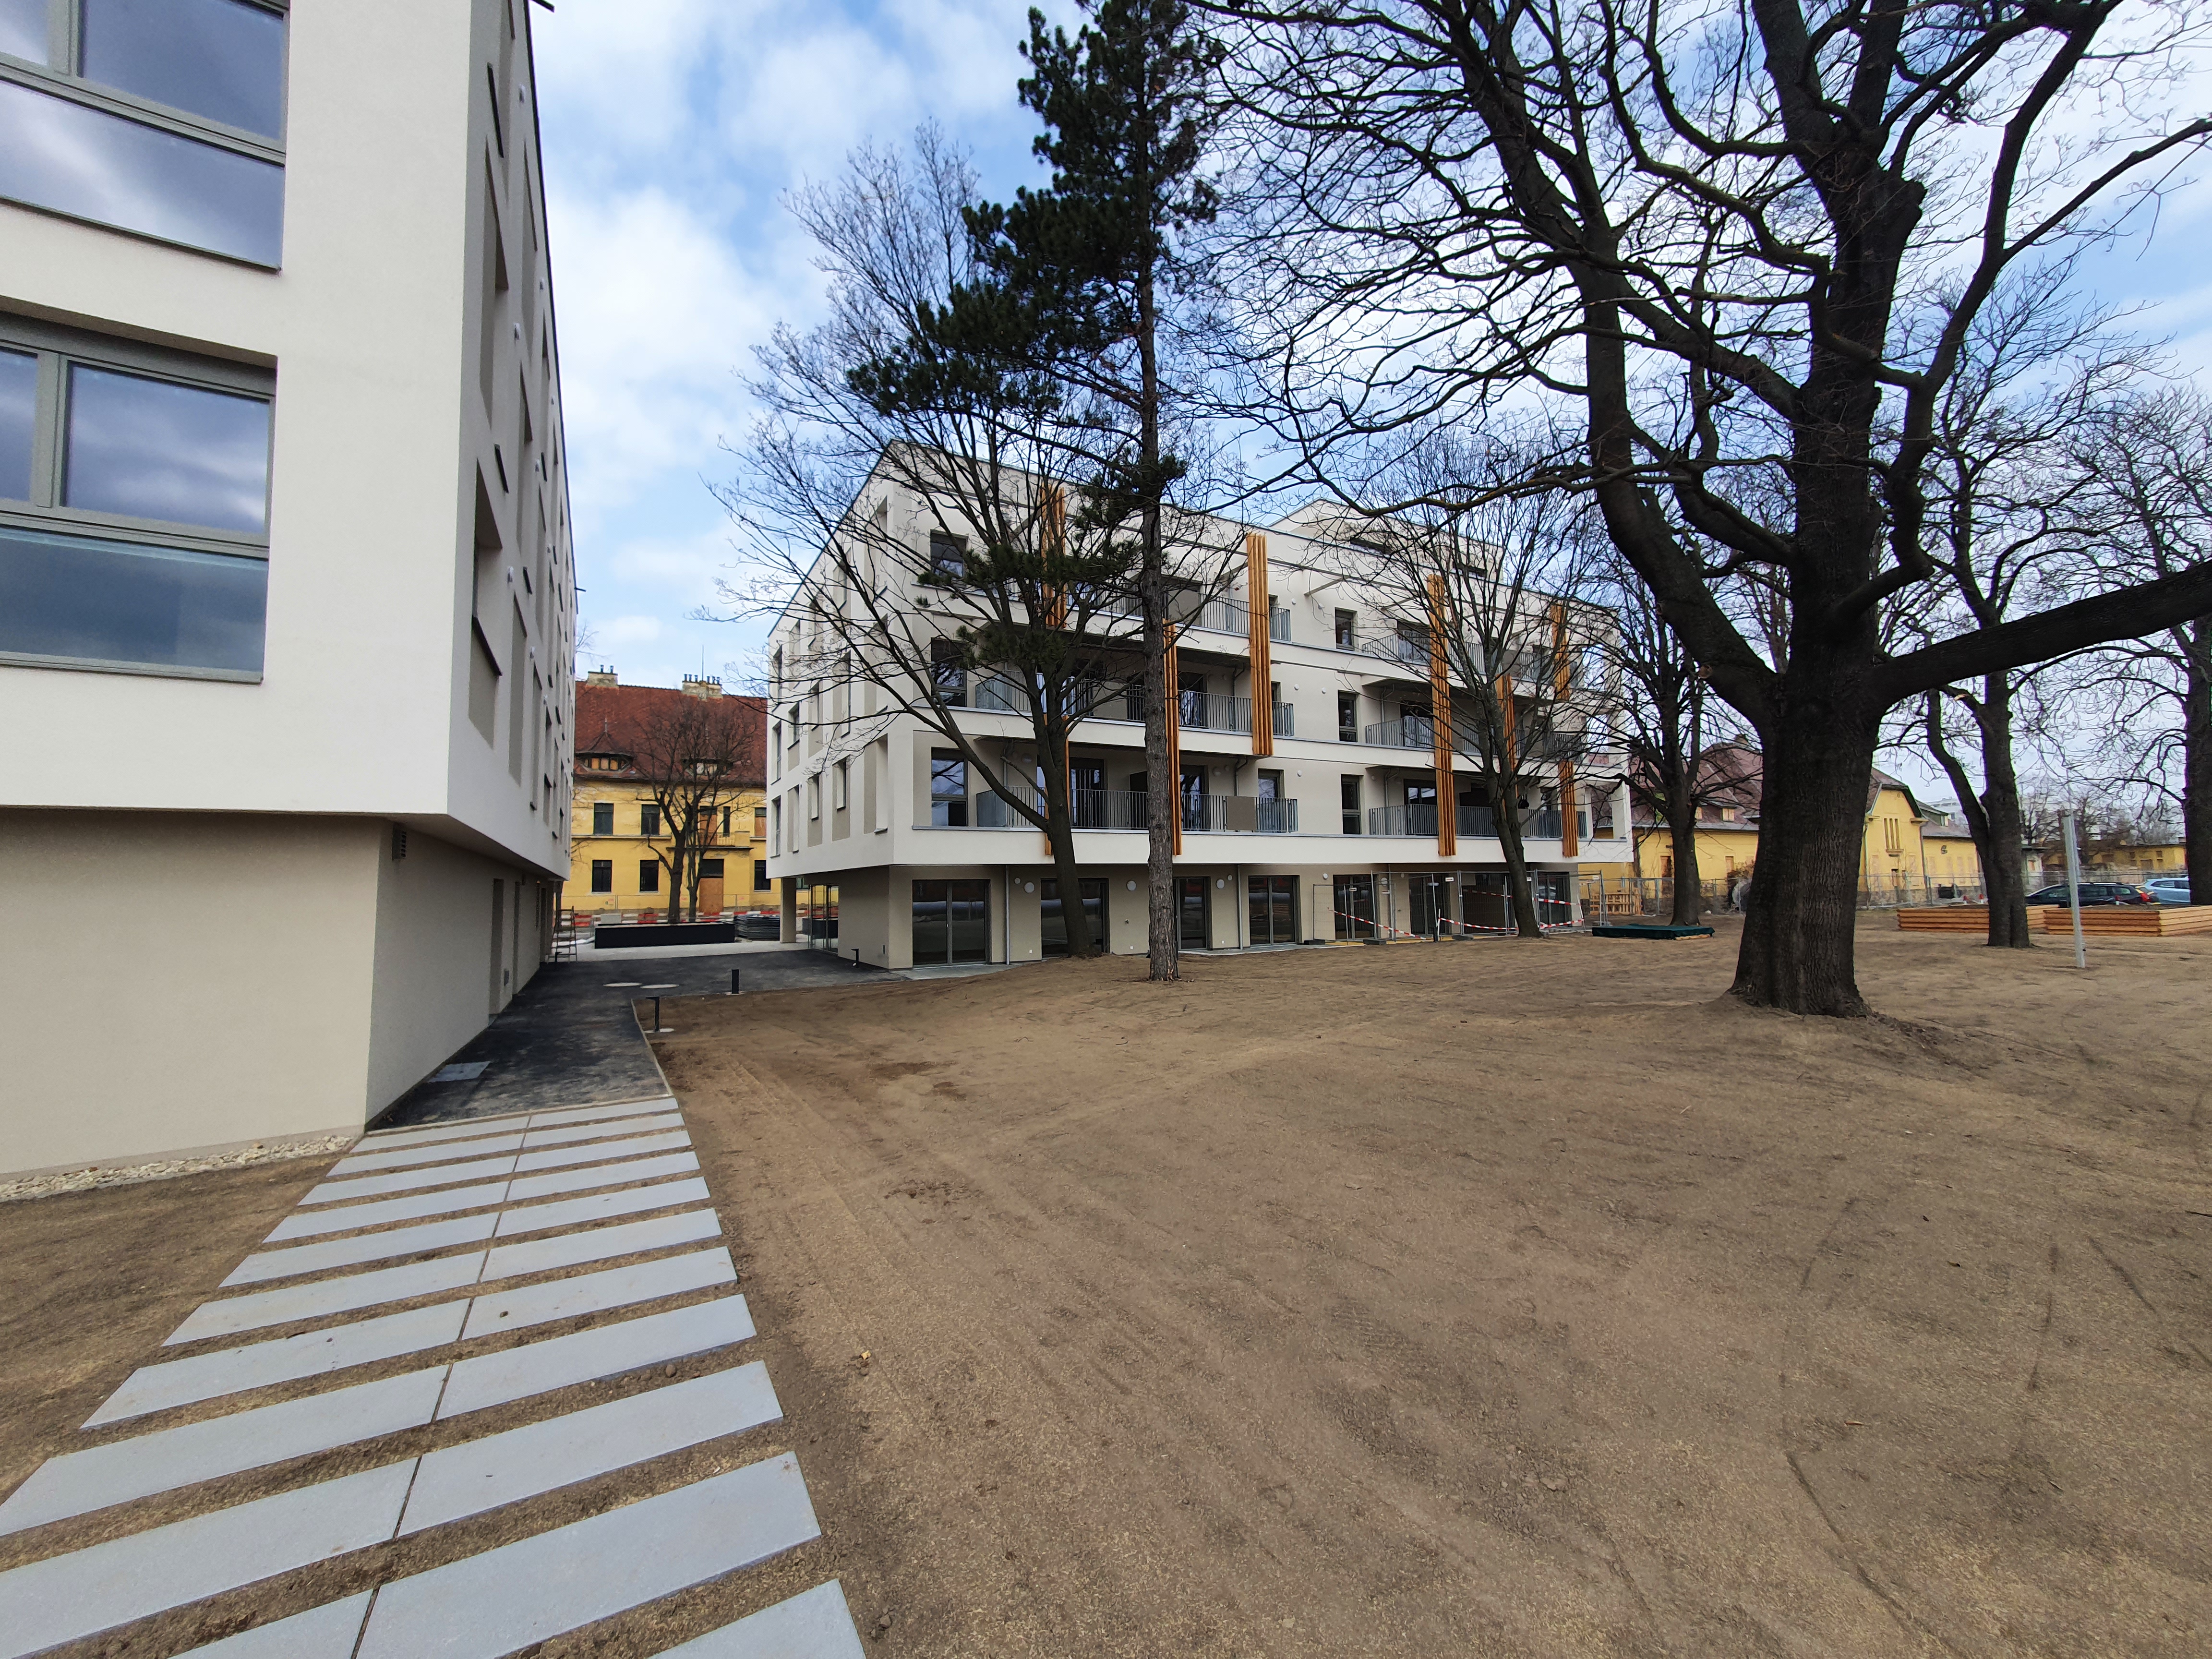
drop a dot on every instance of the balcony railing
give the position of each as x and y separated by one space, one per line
1411 732
1234 617
1420 819
1287 725
1127 808
1203 711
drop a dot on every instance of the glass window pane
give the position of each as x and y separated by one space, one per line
152 449
220 58
19 398
91 165
23 29
69 596
969 921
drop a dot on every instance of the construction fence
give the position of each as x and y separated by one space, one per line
1617 898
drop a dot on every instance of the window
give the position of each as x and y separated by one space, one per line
164 118
1348 794
710 869
603 817
1192 694
1347 717
760 874
1274 909
837 786
814 797
1348 630
648 875
779 824
648 819
602 875
952 921
137 536
725 820
1892 840
948 675
948 789
1412 642
760 823
948 560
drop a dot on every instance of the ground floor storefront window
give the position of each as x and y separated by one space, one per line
1274 909
1354 901
1052 916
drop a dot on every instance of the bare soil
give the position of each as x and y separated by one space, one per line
1505 1298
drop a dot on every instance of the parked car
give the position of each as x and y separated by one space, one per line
2171 889
2096 892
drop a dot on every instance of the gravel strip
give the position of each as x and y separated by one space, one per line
79 1181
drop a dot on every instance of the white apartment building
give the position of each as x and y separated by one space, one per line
286 591
1318 821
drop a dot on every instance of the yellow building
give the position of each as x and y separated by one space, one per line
622 845
1906 849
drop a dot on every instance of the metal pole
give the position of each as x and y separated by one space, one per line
2073 887
733 981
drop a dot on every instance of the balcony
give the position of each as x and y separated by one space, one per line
1420 819
1411 732
1127 808
1203 711
1234 617
1287 725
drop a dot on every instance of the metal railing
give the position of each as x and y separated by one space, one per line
1128 810
1285 721
1204 711
1410 731
1471 819
1223 617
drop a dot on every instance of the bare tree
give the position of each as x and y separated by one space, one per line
1746 244
694 751
2152 464
2014 523
932 532
1482 585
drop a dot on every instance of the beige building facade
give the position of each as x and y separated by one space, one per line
287 598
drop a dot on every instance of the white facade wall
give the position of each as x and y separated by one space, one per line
418 551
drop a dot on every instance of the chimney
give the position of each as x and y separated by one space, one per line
698 685
601 676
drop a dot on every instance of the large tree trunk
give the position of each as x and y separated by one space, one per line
1059 831
2197 759
1682 837
1518 891
1799 935
1163 792
2004 875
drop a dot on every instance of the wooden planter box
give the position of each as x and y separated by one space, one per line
2131 920
1946 919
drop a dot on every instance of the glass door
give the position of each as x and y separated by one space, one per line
1274 901
1052 916
1355 907
1191 908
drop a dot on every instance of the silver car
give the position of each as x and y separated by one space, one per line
2171 889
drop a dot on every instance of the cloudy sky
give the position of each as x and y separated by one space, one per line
672 128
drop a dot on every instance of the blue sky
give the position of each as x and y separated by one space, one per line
671 128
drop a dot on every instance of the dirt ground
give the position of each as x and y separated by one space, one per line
1505 1298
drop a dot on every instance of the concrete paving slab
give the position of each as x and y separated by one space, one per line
266 1265
559 1114
504 1468
407 1157
325 1632
813 1625
78 1483
321 1297
510 1597
311 1353
617 1287
350 1217
543 1255
445 1175
566 1135
493 1379
574 1212
604 1174
561 1158
66 1597
475 1128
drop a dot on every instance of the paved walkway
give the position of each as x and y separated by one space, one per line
569 1034
438 1276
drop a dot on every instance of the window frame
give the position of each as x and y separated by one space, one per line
55 348
600 866
65 44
